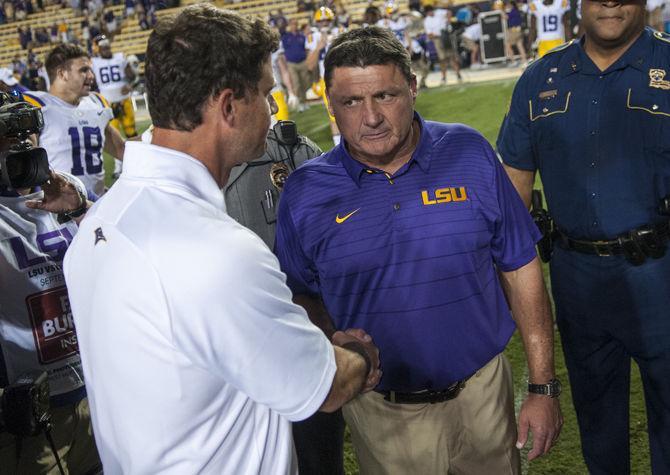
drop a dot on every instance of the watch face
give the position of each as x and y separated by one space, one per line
555 388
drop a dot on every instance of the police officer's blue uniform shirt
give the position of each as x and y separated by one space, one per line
601 141
604 136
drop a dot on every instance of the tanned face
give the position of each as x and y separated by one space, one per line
374 110
612 24
256 109
78 76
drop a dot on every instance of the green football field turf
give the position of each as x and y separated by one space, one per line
483 106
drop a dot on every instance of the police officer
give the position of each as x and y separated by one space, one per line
593 117
253 189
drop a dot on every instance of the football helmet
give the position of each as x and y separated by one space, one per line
324 14
102 46
390 8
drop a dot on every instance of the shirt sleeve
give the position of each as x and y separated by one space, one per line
301 276
515 233
514 142
232 314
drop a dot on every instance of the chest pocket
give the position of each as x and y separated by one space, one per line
650 109
547 112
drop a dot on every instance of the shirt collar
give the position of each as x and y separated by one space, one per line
634 56
420 156
167 166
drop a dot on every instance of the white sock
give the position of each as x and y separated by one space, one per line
118 166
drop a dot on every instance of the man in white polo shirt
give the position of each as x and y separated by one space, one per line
196 359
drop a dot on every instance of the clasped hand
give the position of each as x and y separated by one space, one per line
360 336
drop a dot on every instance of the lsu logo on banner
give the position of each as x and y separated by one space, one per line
444 195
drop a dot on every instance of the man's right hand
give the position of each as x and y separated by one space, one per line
365 343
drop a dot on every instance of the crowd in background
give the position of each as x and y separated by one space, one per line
438 34
95 18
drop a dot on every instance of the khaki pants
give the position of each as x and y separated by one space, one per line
472 434
73 436
301 79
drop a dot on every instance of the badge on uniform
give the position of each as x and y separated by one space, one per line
278 175
657 79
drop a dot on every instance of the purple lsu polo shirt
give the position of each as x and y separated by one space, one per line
411 258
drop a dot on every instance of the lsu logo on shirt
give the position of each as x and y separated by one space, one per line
444 195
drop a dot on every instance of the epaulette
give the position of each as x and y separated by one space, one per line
662 36
561 47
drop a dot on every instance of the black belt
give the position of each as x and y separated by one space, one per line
427 396
644 239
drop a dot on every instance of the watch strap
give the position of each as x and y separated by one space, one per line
551 389
77 212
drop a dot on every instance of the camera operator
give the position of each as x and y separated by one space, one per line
39 210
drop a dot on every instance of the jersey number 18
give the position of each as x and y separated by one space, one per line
92 149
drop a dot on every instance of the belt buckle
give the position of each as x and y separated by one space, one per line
454 390
598 245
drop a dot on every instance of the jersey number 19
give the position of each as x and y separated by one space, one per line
550 23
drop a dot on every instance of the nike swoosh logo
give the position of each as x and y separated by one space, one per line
341 220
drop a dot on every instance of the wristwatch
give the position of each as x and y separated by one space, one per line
551 389
77 212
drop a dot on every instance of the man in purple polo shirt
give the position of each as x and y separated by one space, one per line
293 42
412 231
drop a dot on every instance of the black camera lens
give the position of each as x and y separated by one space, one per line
27 168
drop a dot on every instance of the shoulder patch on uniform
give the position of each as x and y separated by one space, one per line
101 99
33 100
662 36
561 47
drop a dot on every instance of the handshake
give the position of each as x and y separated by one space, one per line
358 341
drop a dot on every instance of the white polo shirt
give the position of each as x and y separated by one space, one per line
194 356
433 25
